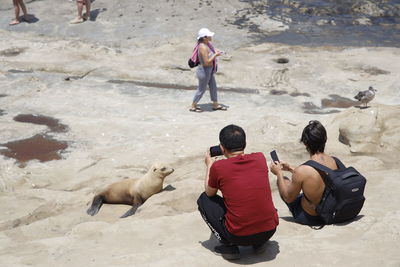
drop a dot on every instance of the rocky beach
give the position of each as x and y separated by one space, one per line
82 106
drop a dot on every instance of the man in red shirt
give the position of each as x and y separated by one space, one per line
246 215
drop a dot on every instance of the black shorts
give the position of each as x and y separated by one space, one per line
213 210
301 216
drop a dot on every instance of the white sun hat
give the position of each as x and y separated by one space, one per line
204 32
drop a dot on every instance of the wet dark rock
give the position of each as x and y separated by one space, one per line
374 70
282 60
295 94
12 52
337 101
184 87
311 108
40 147
325 22
19 71
53 124
343 139
278 92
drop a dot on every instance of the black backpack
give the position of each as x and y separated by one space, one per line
192 64
343 196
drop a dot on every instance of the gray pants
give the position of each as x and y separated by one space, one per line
206 77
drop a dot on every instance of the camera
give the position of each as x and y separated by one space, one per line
215 151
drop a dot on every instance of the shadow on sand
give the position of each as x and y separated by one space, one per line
95 13
247 254
362 107
31 19
209 107
292 220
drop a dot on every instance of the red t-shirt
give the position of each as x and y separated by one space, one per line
244 183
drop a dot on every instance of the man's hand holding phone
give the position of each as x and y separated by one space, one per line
284 166
274 156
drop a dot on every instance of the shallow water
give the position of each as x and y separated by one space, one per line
332 22
41 146
53 124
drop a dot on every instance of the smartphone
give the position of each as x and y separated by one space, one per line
274 156
215 151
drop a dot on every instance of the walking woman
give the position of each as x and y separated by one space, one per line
19 4
206 56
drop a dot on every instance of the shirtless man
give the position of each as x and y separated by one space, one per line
304 191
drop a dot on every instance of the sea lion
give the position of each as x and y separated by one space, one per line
132 191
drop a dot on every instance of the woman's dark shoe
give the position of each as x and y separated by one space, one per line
219 107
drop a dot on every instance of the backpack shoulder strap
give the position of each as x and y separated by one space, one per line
319 167
339 163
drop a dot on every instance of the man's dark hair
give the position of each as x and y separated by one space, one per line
314 137
232 138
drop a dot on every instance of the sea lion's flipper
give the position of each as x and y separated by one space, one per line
168 188
131 211
96 205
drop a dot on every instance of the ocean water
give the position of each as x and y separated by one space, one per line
332 22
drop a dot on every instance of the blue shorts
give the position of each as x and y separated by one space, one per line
301 216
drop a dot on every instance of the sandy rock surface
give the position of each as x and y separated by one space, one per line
121 87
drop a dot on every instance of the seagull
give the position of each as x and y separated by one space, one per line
366 96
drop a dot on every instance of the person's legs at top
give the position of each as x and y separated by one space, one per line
203 75
16 10
79 18
23 7
87 14
79 5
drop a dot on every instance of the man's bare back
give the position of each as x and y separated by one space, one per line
303 192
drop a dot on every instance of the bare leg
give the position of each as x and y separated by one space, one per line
87 16
79 19
23 7
16 9
79 5
195 108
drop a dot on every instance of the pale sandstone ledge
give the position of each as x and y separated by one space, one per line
118 130
315 71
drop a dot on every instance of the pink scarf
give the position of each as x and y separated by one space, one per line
195 57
